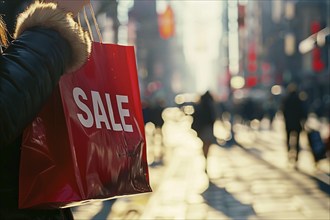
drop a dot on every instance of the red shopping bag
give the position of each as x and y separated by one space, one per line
88 142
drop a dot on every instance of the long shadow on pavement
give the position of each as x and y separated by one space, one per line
106 209
324 185
224 202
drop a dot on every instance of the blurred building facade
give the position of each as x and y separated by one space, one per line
285 41
153 53
254 46
178 49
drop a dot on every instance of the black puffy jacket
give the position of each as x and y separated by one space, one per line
29 70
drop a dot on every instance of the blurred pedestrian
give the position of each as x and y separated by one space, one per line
204 118
47 43
270 109
327 144
294 116
156 113
157 119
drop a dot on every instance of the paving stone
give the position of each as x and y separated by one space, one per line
213 214
196 211
317 214
288 215
273 206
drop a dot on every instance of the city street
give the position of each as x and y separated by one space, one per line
249 179
207 109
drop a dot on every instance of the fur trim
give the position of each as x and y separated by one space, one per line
49 16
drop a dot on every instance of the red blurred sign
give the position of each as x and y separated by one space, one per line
317 63
252 59
251 81
315 27
166 23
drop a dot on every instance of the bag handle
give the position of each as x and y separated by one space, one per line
97 28
95 22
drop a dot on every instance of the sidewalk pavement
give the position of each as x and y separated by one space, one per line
244 181
267 144
248 180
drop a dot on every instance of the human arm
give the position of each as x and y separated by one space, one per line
47 43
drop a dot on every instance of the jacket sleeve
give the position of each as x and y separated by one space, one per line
31 66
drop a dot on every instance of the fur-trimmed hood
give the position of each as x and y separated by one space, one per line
49 16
